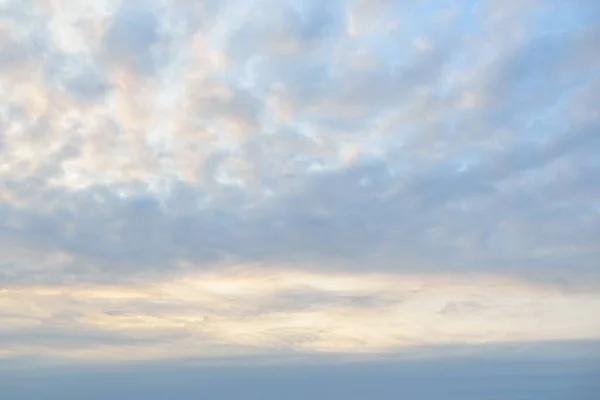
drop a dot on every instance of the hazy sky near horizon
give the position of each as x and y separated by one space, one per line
281 180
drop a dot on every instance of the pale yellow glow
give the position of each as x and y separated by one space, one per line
251 309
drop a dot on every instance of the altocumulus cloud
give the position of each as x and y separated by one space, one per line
188 179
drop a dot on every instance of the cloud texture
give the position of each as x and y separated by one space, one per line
310 175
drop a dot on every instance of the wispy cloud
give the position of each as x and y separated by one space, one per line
258 311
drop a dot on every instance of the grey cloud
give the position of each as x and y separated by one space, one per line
447 192
363 217
78 76
66 340
17 52
273 25
133 33
520 371
348 219
242 105
470 307
306 298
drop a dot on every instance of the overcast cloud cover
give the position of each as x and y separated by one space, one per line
281 180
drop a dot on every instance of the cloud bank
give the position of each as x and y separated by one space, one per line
249 311
149 146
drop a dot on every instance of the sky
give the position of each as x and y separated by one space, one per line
347 198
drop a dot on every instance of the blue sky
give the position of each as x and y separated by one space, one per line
302 185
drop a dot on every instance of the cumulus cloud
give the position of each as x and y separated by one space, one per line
142 140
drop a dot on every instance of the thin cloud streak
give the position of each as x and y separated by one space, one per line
261 311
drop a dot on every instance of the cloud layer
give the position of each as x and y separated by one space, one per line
150 142
249 311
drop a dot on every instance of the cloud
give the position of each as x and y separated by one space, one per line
249 310
501 372
132 33
142 141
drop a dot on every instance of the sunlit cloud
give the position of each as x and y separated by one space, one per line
264 311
